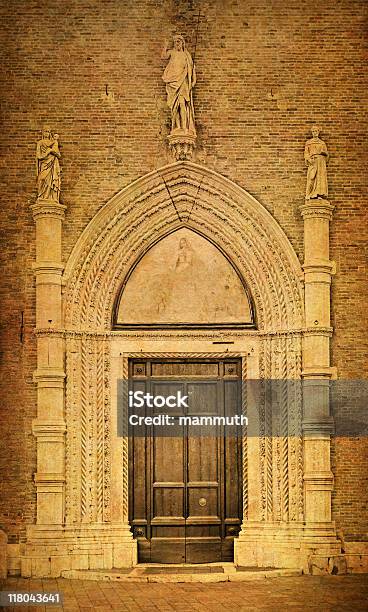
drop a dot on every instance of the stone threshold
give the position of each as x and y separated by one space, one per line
157 572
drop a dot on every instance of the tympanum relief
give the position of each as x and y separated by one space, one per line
184 279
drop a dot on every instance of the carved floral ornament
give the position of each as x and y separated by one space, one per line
182 194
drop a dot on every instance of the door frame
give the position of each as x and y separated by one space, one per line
223 466
123 374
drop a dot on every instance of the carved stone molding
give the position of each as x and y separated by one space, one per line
318 427
49 377
280 440
89 430
67 333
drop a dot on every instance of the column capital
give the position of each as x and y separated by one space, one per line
48 208
317 208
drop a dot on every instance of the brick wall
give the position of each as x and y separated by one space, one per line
267 71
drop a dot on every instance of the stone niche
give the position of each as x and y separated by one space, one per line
185 279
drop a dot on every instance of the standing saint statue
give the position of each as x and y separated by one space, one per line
180 78
316 157
48 166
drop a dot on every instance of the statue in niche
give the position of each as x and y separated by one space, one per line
48 166
316 157
180 78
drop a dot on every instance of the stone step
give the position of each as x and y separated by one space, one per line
222 572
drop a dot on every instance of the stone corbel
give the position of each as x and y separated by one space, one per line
182 145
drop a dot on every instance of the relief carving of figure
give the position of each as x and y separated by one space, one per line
316 157
48 166
180 78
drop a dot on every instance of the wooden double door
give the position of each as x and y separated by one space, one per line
186 489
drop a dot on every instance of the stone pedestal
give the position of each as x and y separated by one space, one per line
52 550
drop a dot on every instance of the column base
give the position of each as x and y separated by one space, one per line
282 545
51 550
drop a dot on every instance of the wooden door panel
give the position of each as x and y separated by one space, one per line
185 502
203 550
202 458
203 398
168 550
165 470
168 503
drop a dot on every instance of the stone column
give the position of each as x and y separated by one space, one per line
49 427
317 422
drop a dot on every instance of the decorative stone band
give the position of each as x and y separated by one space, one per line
320 267
317 208
318 427
49 479
323 373
48 273
49 431
48 208
319 481
47 267
71 333
49 377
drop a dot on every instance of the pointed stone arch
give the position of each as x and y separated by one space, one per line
178 195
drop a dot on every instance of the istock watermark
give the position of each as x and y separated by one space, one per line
139 399
255 408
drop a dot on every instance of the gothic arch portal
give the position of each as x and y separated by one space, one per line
82 486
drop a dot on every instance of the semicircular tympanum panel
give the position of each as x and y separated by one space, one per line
183 279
